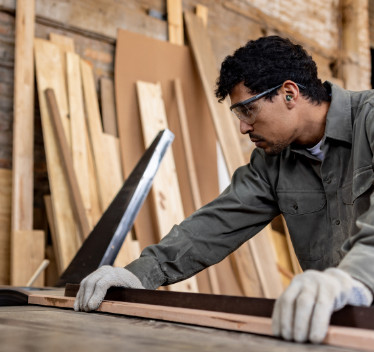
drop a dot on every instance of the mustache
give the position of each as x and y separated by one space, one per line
256 136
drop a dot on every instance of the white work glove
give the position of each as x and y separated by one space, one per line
93 288
304 309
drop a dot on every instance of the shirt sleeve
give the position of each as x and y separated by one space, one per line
359 259
212 232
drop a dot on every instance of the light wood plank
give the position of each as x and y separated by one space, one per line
78 128
75 194
258 247
5 224
106 156
49 75
30 253
165 190
23 118
108 106
202 12
175 21
362 339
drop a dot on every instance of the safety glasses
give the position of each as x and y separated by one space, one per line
247 111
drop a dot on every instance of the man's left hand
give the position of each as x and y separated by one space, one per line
303 311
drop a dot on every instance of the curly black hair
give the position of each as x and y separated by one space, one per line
266 62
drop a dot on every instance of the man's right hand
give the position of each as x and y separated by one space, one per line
94 287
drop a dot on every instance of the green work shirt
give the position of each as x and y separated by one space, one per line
327 205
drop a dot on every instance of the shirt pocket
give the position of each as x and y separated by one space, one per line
301 202
361 182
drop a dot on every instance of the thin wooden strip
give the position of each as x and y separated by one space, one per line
202 12
52 228
165 190
336 336
49 75
212 274
31 252
175 21
79 142
258 247
38 271
108 106
23 118
5 224
75 194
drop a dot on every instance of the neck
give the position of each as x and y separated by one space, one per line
314 123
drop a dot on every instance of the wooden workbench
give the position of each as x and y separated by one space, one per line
35 328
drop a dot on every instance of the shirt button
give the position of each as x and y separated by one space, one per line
328 180
295 206
337 222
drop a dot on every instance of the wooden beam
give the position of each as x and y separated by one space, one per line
259 247
23 118
75 194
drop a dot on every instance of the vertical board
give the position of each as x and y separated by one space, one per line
5 224
175 21
27 260
79 142
165 190
49 75
259 248
108 106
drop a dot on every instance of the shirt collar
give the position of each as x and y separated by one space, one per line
338 119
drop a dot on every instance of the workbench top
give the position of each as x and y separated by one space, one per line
35 328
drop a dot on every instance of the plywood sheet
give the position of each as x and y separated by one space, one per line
167 62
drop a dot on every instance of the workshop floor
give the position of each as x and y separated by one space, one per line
34 328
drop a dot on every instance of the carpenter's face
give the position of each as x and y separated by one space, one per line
269 124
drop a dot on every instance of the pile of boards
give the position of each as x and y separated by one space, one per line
90 151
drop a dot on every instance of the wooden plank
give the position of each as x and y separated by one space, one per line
202 12
23 118
212 274
175 21
165 189
65 43
29 256
5 224
44 264
336 336
49 75
108 106
106 156
258 247
75 194
78 128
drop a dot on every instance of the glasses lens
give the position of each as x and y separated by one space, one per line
246 112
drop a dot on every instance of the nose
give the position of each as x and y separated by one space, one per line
245 127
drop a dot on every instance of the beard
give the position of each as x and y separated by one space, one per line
271 148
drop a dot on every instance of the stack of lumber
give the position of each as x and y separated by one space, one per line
92 144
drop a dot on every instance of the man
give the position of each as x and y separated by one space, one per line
313 163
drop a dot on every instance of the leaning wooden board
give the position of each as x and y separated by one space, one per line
259 248
236 313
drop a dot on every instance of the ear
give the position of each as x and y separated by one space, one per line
290 93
